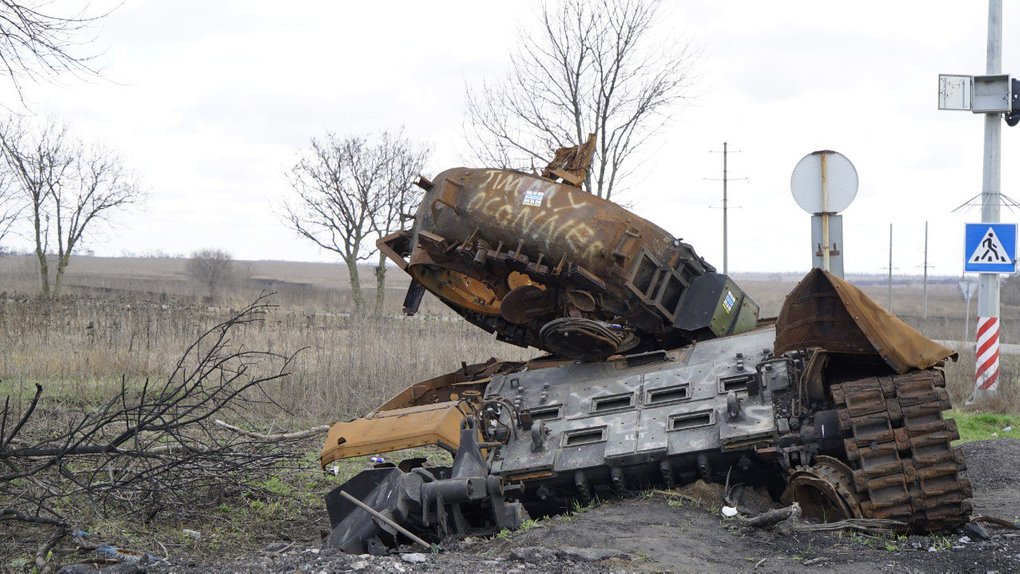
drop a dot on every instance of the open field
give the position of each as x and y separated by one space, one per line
133 316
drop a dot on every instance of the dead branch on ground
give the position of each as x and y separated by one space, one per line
787 520
279 437
154 448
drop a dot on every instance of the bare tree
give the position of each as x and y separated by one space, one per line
152 449
594 68
343 187
68 188
11 205
36 42
213 269
399 197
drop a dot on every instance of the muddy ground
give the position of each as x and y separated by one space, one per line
649 534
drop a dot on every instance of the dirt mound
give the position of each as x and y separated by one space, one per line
657 533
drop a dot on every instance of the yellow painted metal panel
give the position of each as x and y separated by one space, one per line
385 431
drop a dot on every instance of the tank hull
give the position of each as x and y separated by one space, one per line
846 422
661 373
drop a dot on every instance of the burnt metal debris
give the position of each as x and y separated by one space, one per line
660 372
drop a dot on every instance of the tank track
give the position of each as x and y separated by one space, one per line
898 448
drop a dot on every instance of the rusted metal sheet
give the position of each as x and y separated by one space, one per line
467 381
827 312
571 164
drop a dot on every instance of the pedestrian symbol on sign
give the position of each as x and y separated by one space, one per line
990 250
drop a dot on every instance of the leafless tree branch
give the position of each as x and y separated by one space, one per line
595 67
279 437
349 189
66 190
38 42
398 197
153 448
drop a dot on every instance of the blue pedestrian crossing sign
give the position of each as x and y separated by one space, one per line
990 248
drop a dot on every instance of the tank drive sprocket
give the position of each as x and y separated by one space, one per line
825 490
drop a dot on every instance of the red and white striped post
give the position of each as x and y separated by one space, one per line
986 371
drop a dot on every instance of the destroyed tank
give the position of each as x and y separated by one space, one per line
660 373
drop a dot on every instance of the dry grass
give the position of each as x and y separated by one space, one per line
134 316
344 367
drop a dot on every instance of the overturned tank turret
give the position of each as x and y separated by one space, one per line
542 263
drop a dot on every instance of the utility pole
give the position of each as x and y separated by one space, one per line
924 314
986 374
993 95
888 303
988 286
725 205
725 234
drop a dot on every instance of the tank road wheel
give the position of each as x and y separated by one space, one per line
898 450
824 490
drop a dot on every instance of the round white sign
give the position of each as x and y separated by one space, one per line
824 182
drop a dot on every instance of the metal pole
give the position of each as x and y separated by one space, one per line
924 314
387 520
725 247
966 322
888 303
988 288
825 212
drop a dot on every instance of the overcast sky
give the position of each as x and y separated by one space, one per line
209 102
